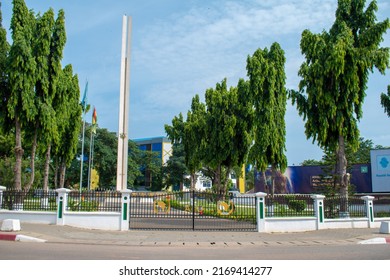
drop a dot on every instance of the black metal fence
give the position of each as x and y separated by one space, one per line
39 200
191 211
33 200
93 201
291 205
343 207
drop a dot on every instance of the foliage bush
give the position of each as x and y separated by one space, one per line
88 206
382 214
297 205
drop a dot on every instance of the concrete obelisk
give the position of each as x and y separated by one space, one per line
121 177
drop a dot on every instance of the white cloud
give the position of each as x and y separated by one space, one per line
214 42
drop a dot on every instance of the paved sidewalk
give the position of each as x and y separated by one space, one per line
66 234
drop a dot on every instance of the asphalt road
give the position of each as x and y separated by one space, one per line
65 251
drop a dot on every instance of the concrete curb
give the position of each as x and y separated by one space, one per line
378 240
20 238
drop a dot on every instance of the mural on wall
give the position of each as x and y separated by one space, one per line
311 179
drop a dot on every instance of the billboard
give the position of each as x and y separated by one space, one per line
380 170
312 179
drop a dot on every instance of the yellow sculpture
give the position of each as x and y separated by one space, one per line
224 208
161 206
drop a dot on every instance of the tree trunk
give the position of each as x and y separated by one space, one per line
62 174
193 179
342 178
218 180
18 156
226 181
46 170
56 168
266 188
28 186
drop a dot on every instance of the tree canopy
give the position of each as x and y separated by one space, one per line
34 91
335 74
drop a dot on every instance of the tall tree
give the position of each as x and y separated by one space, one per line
334 78
219 132
193 138
21 108
68 117
267 87
226 131
43 125
105 145
48 113
385 101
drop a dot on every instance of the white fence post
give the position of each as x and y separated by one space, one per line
260 211
319 209
369 209
62 201
125 206
2 188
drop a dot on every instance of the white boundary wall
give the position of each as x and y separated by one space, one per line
35 217
290 224
94 220
120 220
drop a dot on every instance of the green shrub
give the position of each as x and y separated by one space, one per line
297 205
88 206
382 214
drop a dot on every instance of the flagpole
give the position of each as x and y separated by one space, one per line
82 155
84 107
89 160
93 145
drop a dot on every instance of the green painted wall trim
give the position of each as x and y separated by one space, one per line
321 214
261 210
124 211
371 215
60 210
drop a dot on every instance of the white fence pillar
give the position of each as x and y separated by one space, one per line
2 188
125 209
319 209
260 211
369 209
62 201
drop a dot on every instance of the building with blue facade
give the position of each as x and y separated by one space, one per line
160 145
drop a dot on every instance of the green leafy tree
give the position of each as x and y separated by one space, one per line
189 134
385 101
152 166
68 119
134 164
334 78
48 114
226 132
267 87
21 108
175 168
104 156
44 125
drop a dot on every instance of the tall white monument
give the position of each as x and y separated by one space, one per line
121 177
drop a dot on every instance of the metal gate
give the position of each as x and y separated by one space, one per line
192 211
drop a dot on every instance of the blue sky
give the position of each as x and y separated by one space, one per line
181 48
